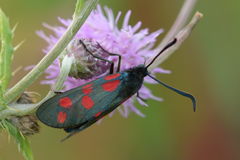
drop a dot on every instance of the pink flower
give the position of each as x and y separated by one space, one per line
135 45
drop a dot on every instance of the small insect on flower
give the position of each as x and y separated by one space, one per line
79 108
104 31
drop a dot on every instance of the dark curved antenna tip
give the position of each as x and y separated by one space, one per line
177 91
192 98
194 103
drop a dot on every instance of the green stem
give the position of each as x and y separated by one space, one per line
78 20
180 22
24 109
181 36
64 72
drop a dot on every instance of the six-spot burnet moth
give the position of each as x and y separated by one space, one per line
78 108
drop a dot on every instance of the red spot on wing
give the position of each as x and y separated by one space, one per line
97 114
111 86
113 76
65 102
61 118
87 86
87 102
87 89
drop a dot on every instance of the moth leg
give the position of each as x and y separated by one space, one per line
58 92
138 96
111 63
113 54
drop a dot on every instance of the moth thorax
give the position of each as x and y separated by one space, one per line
85 65
138 72
134 80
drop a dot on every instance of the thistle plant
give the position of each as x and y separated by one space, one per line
68 62
135 45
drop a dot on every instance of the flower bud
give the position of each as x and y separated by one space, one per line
85 65
26 124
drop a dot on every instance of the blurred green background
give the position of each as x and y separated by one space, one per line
206 65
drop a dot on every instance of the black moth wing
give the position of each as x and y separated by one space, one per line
104 102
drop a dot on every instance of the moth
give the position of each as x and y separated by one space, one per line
80 107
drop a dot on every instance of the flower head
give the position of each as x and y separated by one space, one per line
85 65
135 45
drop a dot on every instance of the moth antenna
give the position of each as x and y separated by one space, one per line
165 48
113 54
177 91
145 61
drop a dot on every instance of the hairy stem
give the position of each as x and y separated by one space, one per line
80 15
181 37
179 23
24 109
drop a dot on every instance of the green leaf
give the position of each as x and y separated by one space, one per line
6 52
22 142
